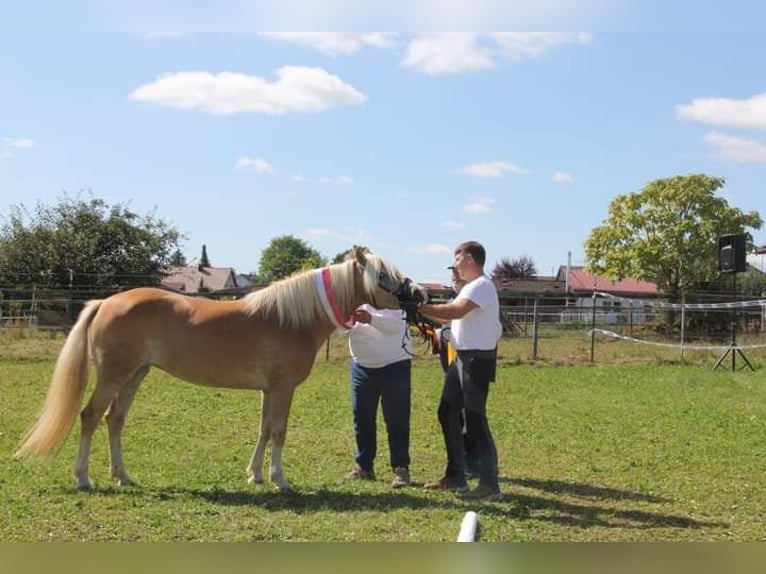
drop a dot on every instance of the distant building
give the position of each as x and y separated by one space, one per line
195 279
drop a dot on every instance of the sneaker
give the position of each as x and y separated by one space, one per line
446 483
481 492
401 477
360 474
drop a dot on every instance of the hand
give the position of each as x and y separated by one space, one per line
362 316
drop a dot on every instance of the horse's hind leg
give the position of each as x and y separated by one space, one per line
90 417
115 421
255 468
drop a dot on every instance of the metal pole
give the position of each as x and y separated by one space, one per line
534 331
734 322
593 328
683 323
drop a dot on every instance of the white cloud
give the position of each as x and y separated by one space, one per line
519 45
359 238
297 89
453 224
481 205
20 143
259 164
749 113
737 150
562 177
333 43
430 249
450 53
491 169
457 52
336 180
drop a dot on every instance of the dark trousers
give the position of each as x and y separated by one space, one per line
466 388
391 387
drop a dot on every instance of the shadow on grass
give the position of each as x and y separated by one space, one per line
605 507
583 490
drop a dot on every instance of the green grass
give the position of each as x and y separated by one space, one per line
619 452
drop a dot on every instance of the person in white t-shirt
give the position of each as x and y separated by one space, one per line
475 330
380 373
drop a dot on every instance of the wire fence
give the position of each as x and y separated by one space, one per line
602 318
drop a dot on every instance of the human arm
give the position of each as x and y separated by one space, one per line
447 312
384 320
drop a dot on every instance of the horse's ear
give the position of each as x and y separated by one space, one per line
360 256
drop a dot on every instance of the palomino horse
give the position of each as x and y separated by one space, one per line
267 340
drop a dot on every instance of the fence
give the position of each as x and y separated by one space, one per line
679 327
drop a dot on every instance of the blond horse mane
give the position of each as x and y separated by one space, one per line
295 300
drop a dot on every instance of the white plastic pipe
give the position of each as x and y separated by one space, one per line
468 527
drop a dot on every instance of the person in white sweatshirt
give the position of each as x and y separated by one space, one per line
380 373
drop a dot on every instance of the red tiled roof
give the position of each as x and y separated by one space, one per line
190 279
579 280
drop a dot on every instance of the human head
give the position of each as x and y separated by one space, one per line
456 282
469 260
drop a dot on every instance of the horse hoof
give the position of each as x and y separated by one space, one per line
255 480
84 486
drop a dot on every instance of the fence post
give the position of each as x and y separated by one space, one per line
683 323
593 328
534 331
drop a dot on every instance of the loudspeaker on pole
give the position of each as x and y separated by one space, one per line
731 253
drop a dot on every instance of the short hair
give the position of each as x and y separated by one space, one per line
475 250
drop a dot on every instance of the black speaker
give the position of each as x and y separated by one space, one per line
731 253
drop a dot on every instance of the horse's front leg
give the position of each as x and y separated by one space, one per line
280 409
255 468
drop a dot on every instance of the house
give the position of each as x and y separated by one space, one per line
194 279
568 296
757 260
581 285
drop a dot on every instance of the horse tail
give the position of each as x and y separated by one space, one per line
65 394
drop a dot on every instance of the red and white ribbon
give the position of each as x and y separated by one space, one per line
323 280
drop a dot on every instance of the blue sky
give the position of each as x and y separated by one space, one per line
405 142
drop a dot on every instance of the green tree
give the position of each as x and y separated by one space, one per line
178 259
340 257
667 233
518 268
203 260
286 255
84 243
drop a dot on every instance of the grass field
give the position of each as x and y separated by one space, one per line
644 448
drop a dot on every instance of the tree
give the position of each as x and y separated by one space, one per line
341 257
84 243
518 268
178 259
286 255
667 233
203 260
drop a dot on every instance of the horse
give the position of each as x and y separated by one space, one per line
267 340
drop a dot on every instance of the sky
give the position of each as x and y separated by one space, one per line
405 142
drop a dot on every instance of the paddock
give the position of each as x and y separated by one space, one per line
648 450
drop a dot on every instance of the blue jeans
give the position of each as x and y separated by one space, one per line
390 386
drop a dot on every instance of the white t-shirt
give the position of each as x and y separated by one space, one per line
382 341
480 328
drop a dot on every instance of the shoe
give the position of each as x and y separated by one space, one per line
446 483
360 474
481 492
401 477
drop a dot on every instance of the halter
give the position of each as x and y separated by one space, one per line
323 280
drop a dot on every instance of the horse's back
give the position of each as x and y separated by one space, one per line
216 343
